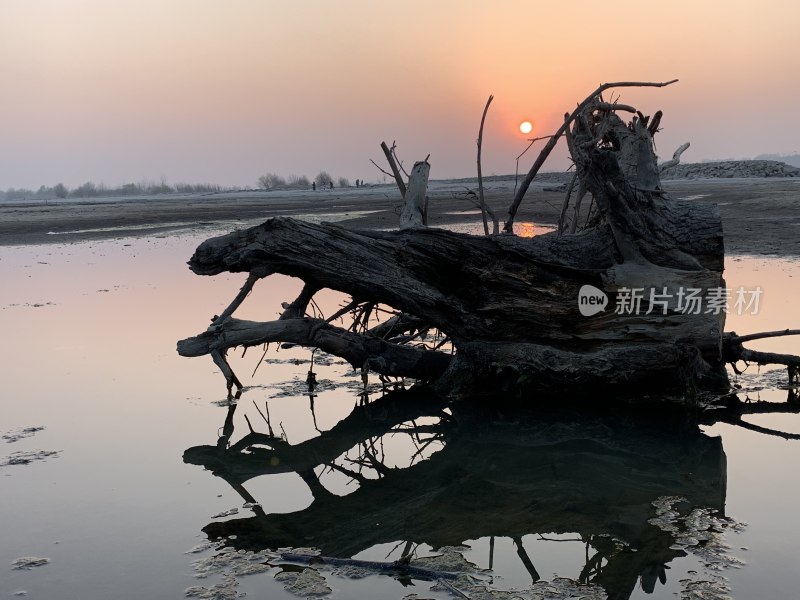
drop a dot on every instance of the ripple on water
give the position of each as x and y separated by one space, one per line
16 435
26 457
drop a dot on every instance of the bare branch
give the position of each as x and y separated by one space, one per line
254 276
395 172
740 339
297 309
676 158
615 106
528 147
398 161
381 169
341 312
481 198
381 356
760 429
397 325
767 358
218 356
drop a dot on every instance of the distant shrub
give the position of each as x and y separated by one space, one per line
323 179
298 181
60 190
271 181
91 190
87 190
344 182
197 188
162 187
12 194
47 193
129 189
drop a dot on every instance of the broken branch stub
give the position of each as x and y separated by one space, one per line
676 158
412 215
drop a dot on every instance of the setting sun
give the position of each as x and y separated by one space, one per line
526 127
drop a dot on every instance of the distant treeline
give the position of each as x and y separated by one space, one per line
93 190
269 181
273 181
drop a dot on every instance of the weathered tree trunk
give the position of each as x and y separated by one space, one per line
413 211
510 306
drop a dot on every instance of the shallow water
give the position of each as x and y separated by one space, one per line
89 355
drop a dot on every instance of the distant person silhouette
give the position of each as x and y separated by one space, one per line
331 184
314 185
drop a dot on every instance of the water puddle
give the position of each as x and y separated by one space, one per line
354 489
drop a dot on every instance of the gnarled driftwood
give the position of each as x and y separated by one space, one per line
511 307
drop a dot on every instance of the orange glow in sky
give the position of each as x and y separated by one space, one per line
201 90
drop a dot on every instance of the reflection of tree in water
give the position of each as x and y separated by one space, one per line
593 475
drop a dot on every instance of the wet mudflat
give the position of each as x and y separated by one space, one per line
759 215
120 459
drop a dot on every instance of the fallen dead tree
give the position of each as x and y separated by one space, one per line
633 302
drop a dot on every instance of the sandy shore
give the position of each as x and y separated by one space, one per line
760 215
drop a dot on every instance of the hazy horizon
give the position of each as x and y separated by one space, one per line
202 91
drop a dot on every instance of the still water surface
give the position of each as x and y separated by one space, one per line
147 452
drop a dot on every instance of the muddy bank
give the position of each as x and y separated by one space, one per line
760 215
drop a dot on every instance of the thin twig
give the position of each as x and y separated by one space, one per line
381 169
261 413
249 425
397 159
339 313
260 360
255 275
317 310
528 147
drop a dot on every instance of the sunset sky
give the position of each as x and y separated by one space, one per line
224 91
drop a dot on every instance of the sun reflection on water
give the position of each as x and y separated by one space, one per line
529 229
